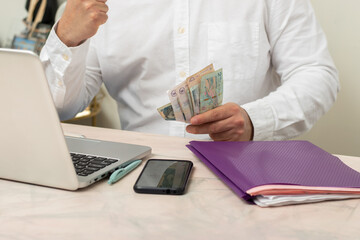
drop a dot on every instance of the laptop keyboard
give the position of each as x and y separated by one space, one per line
88 164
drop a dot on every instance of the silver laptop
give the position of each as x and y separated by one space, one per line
32 144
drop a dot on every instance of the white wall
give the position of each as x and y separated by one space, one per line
11 15
339 130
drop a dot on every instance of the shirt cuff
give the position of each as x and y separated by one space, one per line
262 118
62 55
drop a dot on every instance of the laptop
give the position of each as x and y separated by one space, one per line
32 143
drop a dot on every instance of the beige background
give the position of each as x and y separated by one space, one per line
338 131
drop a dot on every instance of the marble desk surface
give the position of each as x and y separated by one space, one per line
208 210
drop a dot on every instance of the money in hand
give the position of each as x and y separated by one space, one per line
199 93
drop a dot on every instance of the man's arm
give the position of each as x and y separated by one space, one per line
71 68
309 81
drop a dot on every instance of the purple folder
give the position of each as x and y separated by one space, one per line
244 165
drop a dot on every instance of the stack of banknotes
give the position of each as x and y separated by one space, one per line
199 93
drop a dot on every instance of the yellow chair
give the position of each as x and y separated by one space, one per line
90 111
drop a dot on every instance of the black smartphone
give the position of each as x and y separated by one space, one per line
162 176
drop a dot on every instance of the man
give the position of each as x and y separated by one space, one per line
279 78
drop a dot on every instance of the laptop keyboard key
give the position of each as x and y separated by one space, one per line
99 166
110 161
98 162
92 168
82 164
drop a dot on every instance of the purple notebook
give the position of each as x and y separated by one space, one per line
245 165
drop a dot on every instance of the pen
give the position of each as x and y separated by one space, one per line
120 173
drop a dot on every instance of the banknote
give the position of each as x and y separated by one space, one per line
211 91
193 83
185 103
179 116
167 112
219 87
191 105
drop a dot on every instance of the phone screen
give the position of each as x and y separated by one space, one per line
164 177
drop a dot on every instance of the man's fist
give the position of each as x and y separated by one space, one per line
81 20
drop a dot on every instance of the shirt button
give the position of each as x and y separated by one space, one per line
60 84
181 30
182 74
65 57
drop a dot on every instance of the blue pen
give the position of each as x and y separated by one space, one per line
120 173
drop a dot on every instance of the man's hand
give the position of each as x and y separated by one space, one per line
228 122
81 20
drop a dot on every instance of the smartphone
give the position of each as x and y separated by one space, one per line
162 176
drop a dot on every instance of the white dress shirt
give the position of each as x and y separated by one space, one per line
274 56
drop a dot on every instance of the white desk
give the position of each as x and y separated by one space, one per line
209 209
